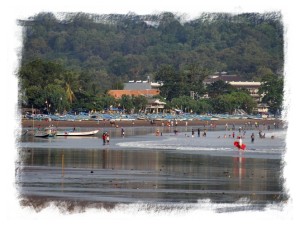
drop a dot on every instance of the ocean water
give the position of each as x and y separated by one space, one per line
144 168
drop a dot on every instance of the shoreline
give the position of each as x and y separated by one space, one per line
144 123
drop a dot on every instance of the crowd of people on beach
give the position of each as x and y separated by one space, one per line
238 134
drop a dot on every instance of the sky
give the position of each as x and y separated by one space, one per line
11 46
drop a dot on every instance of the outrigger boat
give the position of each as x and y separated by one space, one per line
46 132
41 134
76 133
51 131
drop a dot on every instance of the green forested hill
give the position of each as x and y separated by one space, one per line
107 48
70 60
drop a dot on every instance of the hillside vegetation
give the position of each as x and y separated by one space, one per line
83 55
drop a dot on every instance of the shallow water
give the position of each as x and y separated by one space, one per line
146 168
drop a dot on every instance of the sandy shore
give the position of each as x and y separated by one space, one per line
138 123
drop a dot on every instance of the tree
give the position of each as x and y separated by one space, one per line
34 97
55 99
218 88
139 103
39 72
272 89
126 103
107 101
228 103
118 85
171 81
184 103
71 83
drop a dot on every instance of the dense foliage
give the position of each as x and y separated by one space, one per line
272 87
72 61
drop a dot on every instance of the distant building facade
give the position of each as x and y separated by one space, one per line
251 86
142 88
155 106
240 83
117 94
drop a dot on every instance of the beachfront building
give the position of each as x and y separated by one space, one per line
142 88
240 83
251 86
222 76
155 106
137 88
142 85
117 94
237 82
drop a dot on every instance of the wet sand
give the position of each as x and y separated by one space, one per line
172 180
164 172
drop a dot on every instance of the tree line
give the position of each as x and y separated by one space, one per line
54 89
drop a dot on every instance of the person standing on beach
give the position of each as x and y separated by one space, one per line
252 137
107 138
198 132
193 132
157 132
122 132
240 141
104 138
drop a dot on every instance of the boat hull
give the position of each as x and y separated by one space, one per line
76 133
44 135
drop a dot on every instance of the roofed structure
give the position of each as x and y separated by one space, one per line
224 77
147 93
137 86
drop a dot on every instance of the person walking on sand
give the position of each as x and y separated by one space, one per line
193 132
122 132
198 132
252 138
107 138
104 138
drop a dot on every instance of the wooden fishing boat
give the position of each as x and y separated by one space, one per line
51 131
41 134
76 133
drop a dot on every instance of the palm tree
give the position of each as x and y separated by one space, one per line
70 94
70 80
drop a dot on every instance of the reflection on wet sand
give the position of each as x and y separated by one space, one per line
144 168
118 176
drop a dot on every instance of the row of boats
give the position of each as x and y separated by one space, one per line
149 117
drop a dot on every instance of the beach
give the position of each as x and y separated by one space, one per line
167 171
